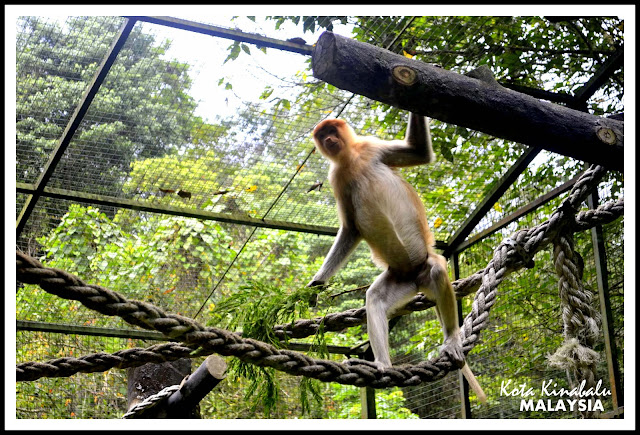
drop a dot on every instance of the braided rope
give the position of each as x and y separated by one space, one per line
580 319
584 220
578 315
100 362
352 372
151 401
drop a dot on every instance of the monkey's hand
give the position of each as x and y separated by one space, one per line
315 283
313 298
452 347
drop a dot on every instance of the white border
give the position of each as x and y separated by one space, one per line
626 11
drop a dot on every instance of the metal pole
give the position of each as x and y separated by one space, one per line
492 197
368 394
464 385
236 35
600 257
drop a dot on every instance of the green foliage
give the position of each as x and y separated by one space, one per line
309 24
175 255
389 404
53 71
254 309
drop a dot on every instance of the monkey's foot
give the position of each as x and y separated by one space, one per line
381 366
373 364
452 348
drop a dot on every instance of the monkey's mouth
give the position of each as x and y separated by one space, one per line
332 147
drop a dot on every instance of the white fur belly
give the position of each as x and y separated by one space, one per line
389 223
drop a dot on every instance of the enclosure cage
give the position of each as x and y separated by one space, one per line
170 160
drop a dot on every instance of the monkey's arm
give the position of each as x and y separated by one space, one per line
344 244
416 149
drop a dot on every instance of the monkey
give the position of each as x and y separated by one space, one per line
377 205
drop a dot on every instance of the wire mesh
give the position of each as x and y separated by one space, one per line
526 328
55 62
536 177
413 339
95 395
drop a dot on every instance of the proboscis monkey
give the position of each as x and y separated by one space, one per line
376 205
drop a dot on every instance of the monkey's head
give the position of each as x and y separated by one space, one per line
332 137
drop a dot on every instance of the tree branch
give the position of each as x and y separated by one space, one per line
481 105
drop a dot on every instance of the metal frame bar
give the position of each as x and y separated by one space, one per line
496 193
368 394
72 195
541 94
602 277
131 204
58 328
368 403
522 211
74 122
610 65
221 32
465 403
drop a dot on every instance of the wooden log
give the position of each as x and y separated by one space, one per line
477 103
210 373
149 379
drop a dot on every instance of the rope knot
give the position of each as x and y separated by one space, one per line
573 356
525 256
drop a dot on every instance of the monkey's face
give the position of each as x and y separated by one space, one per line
328 139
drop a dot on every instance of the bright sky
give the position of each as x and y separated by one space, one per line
208 54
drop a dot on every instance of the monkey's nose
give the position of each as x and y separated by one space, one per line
331 145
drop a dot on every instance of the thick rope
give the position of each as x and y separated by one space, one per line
217 340
580 319
352 372
584 220
100 362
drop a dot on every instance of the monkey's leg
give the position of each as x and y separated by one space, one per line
440 289
384 296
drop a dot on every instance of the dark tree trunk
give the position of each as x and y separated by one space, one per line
477 103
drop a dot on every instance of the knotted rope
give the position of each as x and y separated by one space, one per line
201 340
581 321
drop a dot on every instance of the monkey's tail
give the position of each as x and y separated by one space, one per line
473 383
